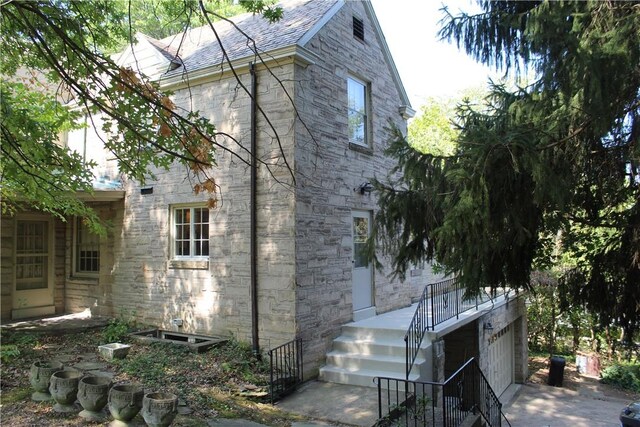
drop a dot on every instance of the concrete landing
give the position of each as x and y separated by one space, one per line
338 403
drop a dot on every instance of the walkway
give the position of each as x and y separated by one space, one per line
58 324
590 404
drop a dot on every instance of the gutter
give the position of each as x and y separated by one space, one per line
254 209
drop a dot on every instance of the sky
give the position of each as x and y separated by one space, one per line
428 67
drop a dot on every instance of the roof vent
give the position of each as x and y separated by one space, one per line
358 28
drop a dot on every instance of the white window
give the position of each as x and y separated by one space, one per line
190 232
86 249
358 117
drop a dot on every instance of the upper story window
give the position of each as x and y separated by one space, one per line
86 248
190 232
358 28
358 111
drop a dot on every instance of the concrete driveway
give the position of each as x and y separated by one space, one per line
586 403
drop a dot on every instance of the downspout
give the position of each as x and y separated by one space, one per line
253 207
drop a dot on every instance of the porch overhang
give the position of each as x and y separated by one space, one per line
101 195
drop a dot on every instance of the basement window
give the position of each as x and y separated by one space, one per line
358 28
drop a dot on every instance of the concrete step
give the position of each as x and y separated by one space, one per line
361 377
369 362
385 347
371 333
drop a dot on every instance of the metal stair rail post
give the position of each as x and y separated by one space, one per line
417 328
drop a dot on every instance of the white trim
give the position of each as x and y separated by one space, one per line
173 258
75 274
321 23
299 54
368 108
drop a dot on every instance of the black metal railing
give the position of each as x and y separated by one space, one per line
438 303
417 328
286 369
464 394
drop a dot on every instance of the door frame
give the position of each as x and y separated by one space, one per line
45 297
370 311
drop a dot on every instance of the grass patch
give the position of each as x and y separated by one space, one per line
15 395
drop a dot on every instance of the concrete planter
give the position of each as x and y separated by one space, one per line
114 351
125 401
40 376
92 395
64 390
159 409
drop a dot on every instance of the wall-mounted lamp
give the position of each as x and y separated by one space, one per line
488 326
365 187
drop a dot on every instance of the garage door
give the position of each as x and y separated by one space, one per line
501 360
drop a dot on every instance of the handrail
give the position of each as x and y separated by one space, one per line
415 334
435 307
466 391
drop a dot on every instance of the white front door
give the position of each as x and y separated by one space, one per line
501 360
33 284
362 269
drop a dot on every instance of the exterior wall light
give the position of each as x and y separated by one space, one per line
365 187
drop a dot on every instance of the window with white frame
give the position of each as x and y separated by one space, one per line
358 111
190 232
86 249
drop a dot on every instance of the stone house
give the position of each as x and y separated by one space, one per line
293 268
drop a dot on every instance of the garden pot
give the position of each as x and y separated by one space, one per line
125 401
93 393
64 390
39 377
159 409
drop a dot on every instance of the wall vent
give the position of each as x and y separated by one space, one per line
358 28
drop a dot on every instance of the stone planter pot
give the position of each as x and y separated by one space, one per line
39 377
64 390
93 392
125 401
159 409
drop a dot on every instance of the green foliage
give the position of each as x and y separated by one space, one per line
241 361
163 18
623 375
56 68
8 352
117 330
432 131
541 171
154 367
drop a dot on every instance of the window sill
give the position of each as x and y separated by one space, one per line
188 264
83 280
360 148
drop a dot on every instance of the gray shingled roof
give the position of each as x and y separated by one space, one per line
199 48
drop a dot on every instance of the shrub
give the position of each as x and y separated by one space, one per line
8 352
116 330
623 375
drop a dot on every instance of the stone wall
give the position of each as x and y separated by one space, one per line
213 297
330 170
93 292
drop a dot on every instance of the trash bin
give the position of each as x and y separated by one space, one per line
556 371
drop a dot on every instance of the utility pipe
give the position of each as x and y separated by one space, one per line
254 209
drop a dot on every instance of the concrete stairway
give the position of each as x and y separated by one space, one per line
371 348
